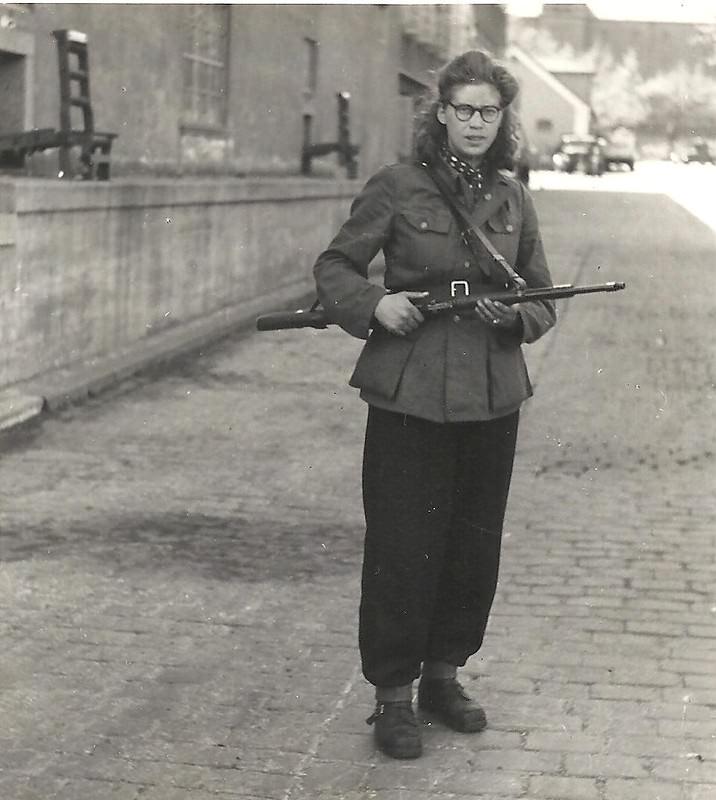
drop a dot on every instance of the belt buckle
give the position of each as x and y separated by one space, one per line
454 285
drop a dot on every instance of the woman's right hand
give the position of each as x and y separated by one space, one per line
397 314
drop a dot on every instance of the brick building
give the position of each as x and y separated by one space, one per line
659 46
548 107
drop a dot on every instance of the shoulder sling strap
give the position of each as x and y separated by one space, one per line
471 236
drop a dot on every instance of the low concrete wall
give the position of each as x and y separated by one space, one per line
95 273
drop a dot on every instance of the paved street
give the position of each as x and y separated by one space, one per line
181 562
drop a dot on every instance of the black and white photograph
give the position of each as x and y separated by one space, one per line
357 401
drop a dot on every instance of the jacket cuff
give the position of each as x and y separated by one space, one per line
536 321
356 316
513 334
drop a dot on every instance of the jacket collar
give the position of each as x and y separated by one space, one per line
490 198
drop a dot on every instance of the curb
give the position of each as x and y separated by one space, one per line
61 387
17 408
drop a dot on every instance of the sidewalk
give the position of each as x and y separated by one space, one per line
181 563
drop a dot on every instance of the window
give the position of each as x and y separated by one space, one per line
311 68
204 66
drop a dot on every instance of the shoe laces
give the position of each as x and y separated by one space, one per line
451 685
460 689
402 711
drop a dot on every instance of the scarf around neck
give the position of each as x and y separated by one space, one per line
472 175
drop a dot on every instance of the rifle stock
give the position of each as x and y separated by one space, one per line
281 320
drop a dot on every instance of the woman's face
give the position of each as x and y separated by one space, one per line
471 139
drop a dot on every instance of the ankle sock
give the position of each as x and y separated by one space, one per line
394 694
439 670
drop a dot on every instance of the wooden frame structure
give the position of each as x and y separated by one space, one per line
95 147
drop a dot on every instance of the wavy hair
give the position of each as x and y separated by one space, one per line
471 67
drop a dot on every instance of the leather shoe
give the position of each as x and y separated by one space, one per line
396 729
447 700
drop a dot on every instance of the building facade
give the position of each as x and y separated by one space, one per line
208 219
548 108
659 46
233 89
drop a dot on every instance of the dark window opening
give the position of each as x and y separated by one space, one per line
12 92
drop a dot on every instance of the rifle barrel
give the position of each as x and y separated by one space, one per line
612 286
511 297
567 290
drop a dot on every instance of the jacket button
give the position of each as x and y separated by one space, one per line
467 265
488 196
456 318
423 225
509 228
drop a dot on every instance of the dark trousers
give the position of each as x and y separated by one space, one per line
434 496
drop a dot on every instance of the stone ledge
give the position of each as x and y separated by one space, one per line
17 407
42 195
70 384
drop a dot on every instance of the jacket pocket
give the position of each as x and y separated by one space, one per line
424 221
502 221
381 363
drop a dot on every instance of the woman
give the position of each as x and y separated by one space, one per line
443 390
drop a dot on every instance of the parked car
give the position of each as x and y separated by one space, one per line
698 152
693 151
580 154
620 149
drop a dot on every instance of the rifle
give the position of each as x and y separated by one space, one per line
315 317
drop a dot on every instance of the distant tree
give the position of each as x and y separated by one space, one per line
704 46
540 44
614 97
680 103
615 92
673 104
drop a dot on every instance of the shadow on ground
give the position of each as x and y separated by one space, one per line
215 547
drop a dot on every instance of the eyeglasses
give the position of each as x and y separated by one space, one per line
465 112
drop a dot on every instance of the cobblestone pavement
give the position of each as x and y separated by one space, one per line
181 557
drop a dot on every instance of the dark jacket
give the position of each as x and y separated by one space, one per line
452 368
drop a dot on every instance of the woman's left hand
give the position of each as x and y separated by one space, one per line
496 314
